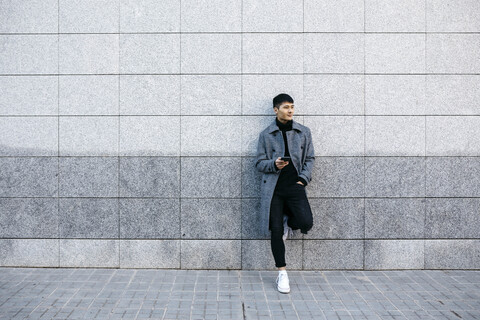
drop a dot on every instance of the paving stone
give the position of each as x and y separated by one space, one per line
37 293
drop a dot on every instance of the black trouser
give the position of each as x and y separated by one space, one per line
294 199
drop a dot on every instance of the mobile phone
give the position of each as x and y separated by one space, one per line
285 158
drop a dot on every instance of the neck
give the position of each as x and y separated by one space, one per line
282 120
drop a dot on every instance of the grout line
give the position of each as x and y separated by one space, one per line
119 132
238 115
303 100
244 73
180 142
236 32
234 157
425 137
364 131
58 128
241 139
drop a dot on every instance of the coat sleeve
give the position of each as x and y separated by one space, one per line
306 173
263 163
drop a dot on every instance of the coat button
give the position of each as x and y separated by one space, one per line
273 150
264 181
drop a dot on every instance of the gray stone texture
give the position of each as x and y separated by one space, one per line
149 218
39 54
261 53
31 95
257 255
396 95
451 218
28 136
88 177
88 95
28 176
199 182
272 16
211 136
394 254
395 177
395 16
150 254
328 94
88 136
395 135
453 136
334 16
89 253
149 16
337 219
211 16
88 16
337 177
395 218
452 176
128 135
334 53
150 95
452 254
149 177
333 254
211 218
394 53
337 135
211 254
452 95
29 253
40 16
453 16
211 53
453 53
149 136
88 218
28 218
88 53
251 178
149 53
211 95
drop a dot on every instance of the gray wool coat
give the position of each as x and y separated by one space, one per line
270 147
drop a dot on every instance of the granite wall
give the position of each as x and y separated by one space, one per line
128 131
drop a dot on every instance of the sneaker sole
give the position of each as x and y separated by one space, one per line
283 291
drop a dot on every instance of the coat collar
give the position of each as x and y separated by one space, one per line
273 127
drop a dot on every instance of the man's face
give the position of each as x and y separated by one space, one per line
285 111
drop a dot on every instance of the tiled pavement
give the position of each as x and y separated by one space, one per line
37 293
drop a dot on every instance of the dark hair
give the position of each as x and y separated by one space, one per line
281 98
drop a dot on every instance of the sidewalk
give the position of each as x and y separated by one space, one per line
31 293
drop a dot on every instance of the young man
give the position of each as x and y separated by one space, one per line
285 155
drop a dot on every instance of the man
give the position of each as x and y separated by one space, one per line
285 155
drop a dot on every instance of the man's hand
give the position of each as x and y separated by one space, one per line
280 163
300 183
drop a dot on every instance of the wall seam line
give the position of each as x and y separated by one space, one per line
58 129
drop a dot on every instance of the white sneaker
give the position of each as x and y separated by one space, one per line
286 229
283 284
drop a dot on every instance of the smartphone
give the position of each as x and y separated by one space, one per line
285 158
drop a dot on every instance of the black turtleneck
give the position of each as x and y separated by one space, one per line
289 174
